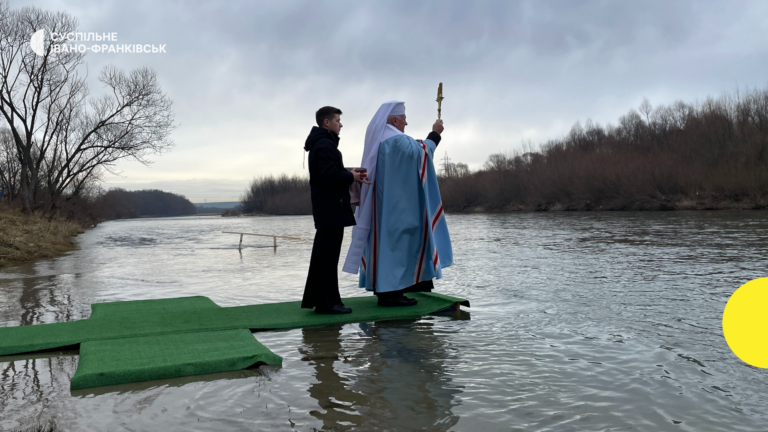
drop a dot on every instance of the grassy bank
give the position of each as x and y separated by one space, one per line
28 237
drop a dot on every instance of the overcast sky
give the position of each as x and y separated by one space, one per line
247 76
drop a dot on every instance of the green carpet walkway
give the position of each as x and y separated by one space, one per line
153 339
121 361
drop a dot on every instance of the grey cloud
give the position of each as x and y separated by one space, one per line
246 76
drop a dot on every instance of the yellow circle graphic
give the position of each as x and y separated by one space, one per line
745 322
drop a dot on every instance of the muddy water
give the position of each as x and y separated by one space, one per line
579 321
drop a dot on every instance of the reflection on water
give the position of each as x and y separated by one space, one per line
321 349
580 321
391 377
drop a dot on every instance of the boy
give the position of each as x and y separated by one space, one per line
329 184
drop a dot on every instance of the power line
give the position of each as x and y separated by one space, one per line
446 165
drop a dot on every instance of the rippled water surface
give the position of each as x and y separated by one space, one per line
579 321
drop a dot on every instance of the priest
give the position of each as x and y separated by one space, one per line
400 241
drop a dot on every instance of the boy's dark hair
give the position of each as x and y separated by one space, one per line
326 112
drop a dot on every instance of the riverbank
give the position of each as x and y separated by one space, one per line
639 205
28 237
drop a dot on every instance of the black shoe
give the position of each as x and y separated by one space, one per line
397 301
338 309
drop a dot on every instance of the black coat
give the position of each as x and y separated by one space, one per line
328 181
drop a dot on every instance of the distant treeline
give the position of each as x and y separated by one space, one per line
705 155
281 195
122 204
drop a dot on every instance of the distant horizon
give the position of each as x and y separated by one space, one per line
211 204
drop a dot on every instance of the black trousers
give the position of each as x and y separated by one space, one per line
424 286
322 288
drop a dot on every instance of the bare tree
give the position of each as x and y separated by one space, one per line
10 168
462 170
497 162
454 170
646 109
62 136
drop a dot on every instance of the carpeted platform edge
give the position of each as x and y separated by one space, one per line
94 370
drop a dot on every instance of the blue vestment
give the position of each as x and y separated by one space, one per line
408 241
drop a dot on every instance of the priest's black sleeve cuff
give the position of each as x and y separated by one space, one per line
434 136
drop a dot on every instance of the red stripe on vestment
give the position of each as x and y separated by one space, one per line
437 216
423 250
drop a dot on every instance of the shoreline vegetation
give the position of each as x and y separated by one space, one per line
703 156
26 237
708 155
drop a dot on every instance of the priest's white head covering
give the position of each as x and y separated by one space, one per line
378 131
397 109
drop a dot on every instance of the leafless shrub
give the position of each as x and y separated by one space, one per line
282 195
713 153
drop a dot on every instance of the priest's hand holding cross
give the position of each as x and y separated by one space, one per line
438 126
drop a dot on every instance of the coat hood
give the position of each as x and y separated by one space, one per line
317 134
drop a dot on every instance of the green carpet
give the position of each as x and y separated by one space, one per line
121 361
144 307
152 339
197 314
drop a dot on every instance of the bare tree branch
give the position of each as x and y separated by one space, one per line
64 138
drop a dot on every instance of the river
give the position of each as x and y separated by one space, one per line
579 321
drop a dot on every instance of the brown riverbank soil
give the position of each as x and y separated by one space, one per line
28 237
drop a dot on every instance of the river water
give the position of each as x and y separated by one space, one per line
579 321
